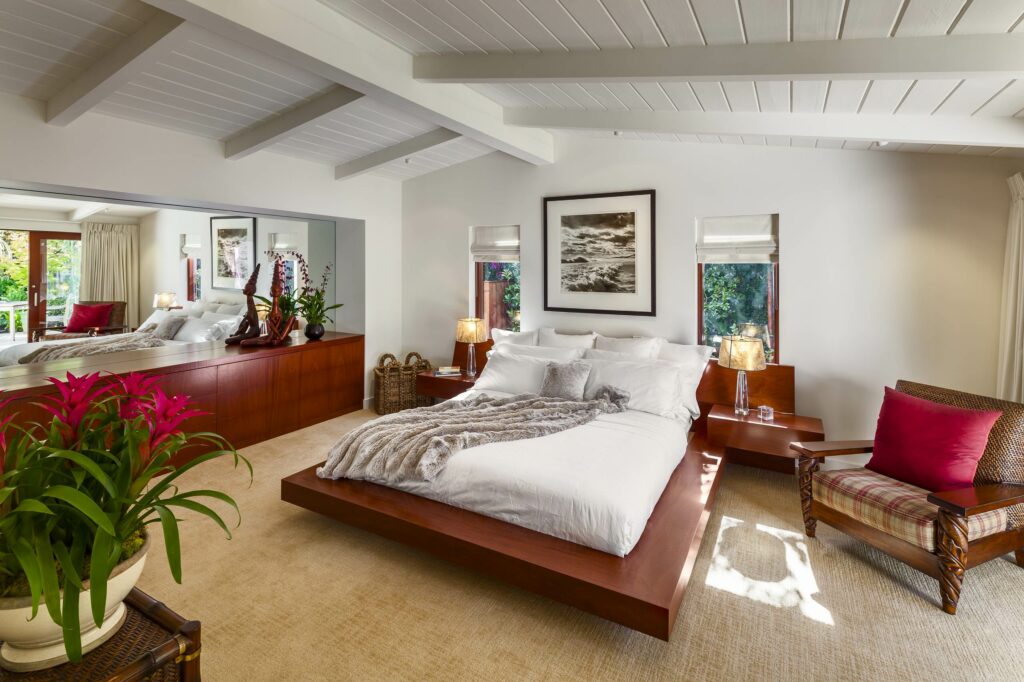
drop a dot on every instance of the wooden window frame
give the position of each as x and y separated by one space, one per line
775 319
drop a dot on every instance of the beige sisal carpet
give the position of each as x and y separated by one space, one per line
295 596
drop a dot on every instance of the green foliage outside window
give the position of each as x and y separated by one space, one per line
63 273
508 273
734 293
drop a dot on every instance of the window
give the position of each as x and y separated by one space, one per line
738 280
495 252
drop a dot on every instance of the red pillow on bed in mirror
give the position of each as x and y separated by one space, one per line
932 446
85 316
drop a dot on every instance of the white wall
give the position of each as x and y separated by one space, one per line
109 154
890 262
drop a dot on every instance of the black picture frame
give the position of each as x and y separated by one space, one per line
239 222
649 310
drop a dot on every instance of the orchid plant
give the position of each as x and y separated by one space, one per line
77 493
305 300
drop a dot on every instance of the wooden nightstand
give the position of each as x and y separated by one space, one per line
750 441
444 388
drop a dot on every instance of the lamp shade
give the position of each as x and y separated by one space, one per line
165 299
741 352
470 330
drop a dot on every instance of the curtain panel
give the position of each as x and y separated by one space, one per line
110 266
1010 380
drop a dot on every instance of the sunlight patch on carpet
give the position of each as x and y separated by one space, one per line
796 588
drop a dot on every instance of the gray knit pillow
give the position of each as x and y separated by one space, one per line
565 380
169 326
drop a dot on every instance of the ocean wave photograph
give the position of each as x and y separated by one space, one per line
598 252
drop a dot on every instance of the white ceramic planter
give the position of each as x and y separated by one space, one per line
38 643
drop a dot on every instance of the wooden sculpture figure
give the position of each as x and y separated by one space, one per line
249 327
278 327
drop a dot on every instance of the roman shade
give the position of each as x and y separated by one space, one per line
495 243
738 239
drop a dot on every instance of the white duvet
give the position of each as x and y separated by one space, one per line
595 484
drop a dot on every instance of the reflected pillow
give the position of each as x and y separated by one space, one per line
85 316
157 317
195 330
228 309
168 327
227 323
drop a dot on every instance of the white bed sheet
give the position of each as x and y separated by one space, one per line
594 484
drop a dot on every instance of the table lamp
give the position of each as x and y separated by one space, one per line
165 300
470 330
746 355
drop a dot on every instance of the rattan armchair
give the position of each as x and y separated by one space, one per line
943 533
115 325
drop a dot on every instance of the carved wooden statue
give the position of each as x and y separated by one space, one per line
249 327
278 327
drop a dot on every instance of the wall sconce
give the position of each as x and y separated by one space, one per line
165 300
280 241
190 243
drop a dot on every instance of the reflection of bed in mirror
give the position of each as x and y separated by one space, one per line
206 320
247 394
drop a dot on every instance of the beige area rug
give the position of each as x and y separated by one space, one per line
295 596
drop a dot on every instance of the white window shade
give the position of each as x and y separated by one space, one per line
738 239
495 243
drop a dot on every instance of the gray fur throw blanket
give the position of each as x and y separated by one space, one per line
417 444
91 346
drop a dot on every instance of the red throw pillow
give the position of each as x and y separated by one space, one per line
85 316
930 445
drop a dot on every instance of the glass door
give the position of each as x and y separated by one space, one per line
54 273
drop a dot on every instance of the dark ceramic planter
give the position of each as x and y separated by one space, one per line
314 332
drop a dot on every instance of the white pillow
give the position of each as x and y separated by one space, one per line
517 338
229 309
195 330
557 354
655 387
512 374
640 347
693 358
550 338
228 323
156 318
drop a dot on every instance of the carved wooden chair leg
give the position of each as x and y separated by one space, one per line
952 551
807 465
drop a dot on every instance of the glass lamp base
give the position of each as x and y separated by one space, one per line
471 360
742 405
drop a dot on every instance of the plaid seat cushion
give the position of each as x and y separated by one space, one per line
897 508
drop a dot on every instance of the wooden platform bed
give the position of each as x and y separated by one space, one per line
642 591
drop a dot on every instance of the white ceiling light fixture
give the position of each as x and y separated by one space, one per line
882 143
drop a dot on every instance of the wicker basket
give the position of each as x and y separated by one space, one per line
416 361
395 382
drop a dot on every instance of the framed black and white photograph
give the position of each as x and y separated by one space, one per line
234 251
599 253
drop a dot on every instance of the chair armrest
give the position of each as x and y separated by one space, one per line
830 448
979 499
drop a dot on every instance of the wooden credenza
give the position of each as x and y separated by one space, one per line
249 394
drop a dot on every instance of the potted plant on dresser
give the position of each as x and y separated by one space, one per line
306 301
78 496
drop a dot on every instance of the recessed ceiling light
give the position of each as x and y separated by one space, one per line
882 143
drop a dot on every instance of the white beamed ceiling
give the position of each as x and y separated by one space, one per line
427 27
207 86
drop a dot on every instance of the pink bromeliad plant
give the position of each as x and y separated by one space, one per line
77 493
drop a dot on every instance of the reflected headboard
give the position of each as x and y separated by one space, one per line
774 386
